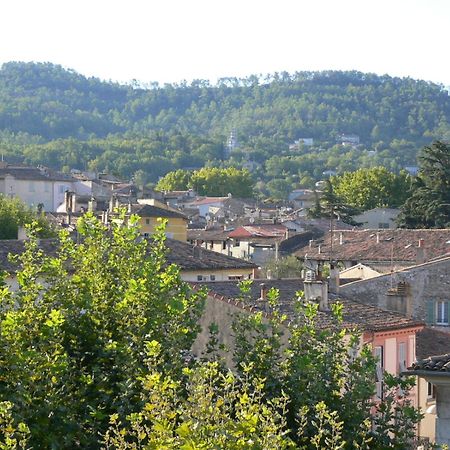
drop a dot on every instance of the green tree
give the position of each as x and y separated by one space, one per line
371 188
73 337
429 204
14 213
177 180
221 182
331 206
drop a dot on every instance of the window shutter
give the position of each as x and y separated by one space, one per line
448 312
431 312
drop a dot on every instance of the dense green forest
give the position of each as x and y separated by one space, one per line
59 118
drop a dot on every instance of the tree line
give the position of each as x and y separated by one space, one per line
56 117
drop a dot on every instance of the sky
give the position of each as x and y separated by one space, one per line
173 40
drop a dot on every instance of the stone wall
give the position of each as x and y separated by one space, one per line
429 281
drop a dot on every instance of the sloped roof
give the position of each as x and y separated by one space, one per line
263 231
207 200
186 256
435 364
356 314
430 342
191 257
154 211
21 172
395 245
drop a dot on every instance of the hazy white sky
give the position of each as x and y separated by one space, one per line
172 40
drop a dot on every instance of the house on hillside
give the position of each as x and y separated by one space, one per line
34 185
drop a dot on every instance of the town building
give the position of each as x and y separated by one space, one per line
35 186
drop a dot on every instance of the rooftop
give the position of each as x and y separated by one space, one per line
379 245
155 211
186 256
22 172
356 314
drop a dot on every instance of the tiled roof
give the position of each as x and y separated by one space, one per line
365 317
190 257
154 211
208 200
440 364
430 342
32 173
264 231
208 235
186 256
395 245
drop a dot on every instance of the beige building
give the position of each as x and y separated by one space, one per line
34 186
151 216
378 218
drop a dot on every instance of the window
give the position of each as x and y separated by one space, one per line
224 245
146 235
212 277
237 242
235 277
199 277
442 312
378 353
147 221
401 357
431 394
382 225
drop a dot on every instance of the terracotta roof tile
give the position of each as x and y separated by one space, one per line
186 256
430 342
379 245
356 314
440 363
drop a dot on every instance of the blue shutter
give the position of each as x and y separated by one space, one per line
431 312
448 312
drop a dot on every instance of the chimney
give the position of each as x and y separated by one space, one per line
334 279
92 205
197 252
311 243
316 291
378 238
263 298
320 249
341 238
420 252
269 274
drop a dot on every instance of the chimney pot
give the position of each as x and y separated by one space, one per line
378 238
421 243
263 291
341 238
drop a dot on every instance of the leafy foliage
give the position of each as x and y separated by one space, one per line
73 337
331 206
429 204
211 181
366 189
59 118
14 213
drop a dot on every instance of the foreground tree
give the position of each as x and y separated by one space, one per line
73 336
429 204
94 350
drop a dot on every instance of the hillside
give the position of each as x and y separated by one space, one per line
60 118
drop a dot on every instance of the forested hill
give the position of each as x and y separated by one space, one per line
57 117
